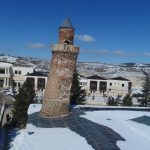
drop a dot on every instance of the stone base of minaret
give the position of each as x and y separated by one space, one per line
56 108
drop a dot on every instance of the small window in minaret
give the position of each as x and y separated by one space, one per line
68 42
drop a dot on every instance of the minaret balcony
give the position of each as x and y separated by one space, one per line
65 48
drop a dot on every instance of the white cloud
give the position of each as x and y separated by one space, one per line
120 53
36 45
85 38
146 54
105 52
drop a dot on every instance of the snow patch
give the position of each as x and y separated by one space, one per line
18 140
55 139
136 134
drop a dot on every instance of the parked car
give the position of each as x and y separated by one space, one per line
10 91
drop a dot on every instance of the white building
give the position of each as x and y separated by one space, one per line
119 86
83 82
19 72
99 86
16 74
6 75
39 79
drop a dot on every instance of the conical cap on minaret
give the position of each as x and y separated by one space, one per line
67 24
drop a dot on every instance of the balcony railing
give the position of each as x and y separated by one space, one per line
65 48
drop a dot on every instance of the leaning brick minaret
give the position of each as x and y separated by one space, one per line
64 55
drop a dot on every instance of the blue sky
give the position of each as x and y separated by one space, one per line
108 31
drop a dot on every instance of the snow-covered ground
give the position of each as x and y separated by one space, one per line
137 135
136 90
54 139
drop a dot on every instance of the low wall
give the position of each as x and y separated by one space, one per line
95 108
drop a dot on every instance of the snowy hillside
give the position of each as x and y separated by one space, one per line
131 71
6 58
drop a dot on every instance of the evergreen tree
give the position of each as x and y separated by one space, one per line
78 94
145 97
22 101
127 100
111 101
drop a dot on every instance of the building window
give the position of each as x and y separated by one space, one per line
122 85
93 86
17 72
103 86
41 83
110 84
1 83
31 80
130 85
2 71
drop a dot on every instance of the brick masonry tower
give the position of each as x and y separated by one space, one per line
63 62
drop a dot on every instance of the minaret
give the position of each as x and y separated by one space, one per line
63 62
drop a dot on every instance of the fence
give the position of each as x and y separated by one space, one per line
2 112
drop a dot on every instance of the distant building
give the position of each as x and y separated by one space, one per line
119 86
19 72
100 86
97 85
14 75
39 79
83 82
6 75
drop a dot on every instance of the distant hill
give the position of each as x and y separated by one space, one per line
131 71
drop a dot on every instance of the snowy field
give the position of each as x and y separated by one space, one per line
137 135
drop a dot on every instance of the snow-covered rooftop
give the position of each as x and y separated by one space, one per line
84 130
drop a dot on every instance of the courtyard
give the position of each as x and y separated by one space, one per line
86 128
